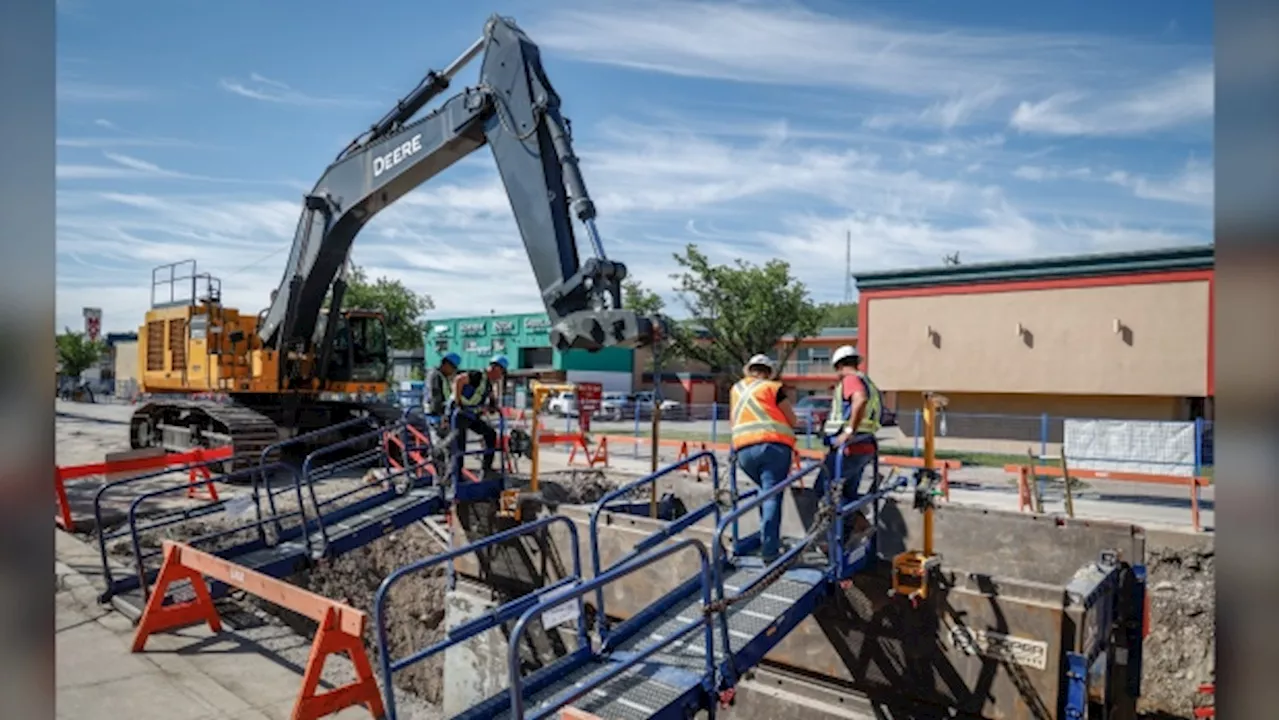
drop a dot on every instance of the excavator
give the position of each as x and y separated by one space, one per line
215 376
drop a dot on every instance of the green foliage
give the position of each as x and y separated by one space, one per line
640 299
77 353
402 307
839 314
745 308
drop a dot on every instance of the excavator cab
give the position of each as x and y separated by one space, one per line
359 348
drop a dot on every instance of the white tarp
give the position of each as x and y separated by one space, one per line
1137 446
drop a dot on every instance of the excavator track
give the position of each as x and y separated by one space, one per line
178 425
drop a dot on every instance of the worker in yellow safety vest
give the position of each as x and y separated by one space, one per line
851 427
475 392
763 441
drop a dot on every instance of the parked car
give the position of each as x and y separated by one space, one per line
614 406
812 412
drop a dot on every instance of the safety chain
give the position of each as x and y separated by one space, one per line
822 521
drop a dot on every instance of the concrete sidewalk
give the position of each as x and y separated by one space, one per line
249 672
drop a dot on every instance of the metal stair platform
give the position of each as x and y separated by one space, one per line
646 690
346 528
755 625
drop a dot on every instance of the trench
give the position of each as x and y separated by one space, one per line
1178 654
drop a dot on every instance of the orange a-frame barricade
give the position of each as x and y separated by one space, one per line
600 456
703 466
1194 483
341 626
140 465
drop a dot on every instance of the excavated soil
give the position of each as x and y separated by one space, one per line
1179 653
415 605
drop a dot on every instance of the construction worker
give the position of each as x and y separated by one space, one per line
439 385
853 423
474 394
763 441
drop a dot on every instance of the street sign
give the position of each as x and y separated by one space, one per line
589 397
93 323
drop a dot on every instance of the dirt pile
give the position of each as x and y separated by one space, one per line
1179 653
415 605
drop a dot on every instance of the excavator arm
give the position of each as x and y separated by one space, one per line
516 112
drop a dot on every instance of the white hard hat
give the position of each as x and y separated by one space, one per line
760 360
844 352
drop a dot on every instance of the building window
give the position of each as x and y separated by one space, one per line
442 346
499 345
536 357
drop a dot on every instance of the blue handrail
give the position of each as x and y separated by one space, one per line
136 540
295 440
614 573
731 519
626 490
308 472
104 536
457 635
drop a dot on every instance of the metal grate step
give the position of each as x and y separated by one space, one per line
636 694
746 620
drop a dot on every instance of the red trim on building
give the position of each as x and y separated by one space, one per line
863 336
1208 383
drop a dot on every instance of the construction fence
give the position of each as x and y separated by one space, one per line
1182 448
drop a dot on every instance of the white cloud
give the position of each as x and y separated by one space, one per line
1192 186
103 123
941 76
1182 97
127 167
258 87
104 142
945 114
777 193
1036 173
77 91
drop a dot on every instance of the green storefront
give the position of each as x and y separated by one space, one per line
526 342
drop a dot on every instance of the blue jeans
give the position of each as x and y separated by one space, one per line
852 468
767 464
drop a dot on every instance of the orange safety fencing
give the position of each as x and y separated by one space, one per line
1024 473
139 465
341 627
422 467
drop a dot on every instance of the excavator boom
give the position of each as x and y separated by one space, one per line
515 111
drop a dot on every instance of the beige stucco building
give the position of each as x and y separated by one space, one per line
1110 336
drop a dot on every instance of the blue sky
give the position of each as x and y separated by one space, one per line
998 130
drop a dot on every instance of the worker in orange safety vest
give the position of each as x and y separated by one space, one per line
763 441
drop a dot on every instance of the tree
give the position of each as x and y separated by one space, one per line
402 307
745 309
640 299
77 353
839 314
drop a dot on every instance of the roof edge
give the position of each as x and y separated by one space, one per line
1191 257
